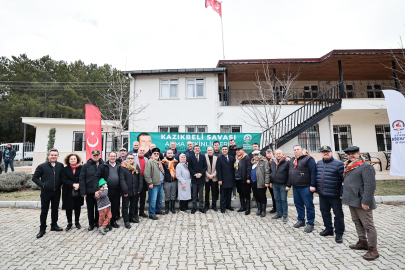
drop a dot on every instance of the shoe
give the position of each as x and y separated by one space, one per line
96 225
285 219
41 233
135 219
230 208
361 244
339 238
127 225
102 230
309 228
78 226
276 216
247 212
142 214
259 209
242 206
109 228
326 233
172 207
206 207
299 224
233 198
214 206
185 212
106 229
153 217
272 211
193 211
167 207
203 211
91 227
222 210
68 227
160 213
115 225
263 213
372 254
56 228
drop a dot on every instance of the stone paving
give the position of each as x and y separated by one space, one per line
185 241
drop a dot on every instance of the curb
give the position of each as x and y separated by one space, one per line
235 204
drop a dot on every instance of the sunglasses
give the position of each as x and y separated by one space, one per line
156 154
130 158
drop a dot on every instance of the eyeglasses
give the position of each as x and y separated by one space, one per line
130 158
156 154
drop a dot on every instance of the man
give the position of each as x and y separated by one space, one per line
1 157
242 170
197 166
278 182
154 177
134 151
141 161
211 180
123 155
145 141
270 157
217 151
256 147
148 153
190 149
8 156
110 171
226 178
329 179
358 194
232 150
176 153
89 186
48 177
302 176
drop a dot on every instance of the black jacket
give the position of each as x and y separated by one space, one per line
232 152
226 171
1 156
329 177
245 165
68 179
194 168
279 176
168 176
130 183
88 183
103 171
12 154
48 177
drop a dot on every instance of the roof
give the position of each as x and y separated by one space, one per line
172 71
35 121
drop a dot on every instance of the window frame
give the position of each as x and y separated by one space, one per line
386 138
169 84
339 133
168 129
83 141
195 87
230 128
196 128
310 145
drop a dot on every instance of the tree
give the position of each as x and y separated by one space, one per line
262 108
51 140
399 59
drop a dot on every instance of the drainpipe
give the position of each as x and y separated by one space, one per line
331 131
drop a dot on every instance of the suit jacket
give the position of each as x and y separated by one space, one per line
197 167
225 171
209 170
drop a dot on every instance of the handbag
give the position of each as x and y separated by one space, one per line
75 193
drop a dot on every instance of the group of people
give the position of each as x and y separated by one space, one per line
186 175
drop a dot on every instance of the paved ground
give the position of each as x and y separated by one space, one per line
199 241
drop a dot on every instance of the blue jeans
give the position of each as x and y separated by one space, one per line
155 199
335 203
234 191
8 162
280 195
304 199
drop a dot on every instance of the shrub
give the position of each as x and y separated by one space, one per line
15 181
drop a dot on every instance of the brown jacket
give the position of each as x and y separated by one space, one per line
211 170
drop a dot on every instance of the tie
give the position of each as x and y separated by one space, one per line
196 157
227 159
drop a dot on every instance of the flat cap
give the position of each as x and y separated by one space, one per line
123 149
155 150
256 152
352 149
325 148
238 147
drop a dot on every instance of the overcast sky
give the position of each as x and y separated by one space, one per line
154 34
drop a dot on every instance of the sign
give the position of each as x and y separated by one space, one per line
395 102
93 130
162 140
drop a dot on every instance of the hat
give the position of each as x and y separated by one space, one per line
155 150
352 149
95 152
256 152
238 147
101 182
325 148
123 149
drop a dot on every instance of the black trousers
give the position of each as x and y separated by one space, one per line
142 196
325 205
259 193
213 186
114 196
92 210
53 198
183 205
132 201
273 199
226 195
198 190
69 214
244 189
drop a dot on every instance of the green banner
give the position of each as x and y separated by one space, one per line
162 140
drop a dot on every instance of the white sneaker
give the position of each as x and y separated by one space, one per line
233 198
102 230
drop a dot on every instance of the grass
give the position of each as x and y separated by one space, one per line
384 188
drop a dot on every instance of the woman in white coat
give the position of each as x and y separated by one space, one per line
184 183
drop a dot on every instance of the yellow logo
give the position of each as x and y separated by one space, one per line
325 147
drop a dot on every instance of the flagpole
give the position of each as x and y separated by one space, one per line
222 29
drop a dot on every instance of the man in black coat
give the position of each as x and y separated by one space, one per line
110 171
243 167
48 176
231 149
226 178
89 185
197 166
123 154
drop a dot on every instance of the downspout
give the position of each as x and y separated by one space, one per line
331 132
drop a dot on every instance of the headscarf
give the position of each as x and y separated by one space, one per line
184 163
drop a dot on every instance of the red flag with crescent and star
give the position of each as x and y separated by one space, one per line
93 130
215 4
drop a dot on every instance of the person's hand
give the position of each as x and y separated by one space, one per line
138 192
248 181
365 207
84 196
340 197
97 195
220 183
151 186
125 195
211 176
287 189
184 186
76 186
266 185
271 185
287 159
312 189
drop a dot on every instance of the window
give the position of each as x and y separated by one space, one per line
169 129
374 91
78 141
311 91
195 88
349 91
342 135
383 135
168 88
309 139
196 129
231 129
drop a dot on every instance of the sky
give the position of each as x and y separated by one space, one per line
160 34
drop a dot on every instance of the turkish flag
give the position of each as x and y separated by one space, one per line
93 130
215 4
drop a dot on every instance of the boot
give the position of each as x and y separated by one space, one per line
361 244
214 206
167 207
372 254
259 209
242 206
263 213
172 207
247 207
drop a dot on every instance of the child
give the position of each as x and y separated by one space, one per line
103 205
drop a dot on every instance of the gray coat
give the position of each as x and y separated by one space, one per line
262 173
183 175
359 186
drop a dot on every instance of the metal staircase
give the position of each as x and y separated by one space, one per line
305 117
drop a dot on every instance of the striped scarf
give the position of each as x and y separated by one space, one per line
159 164
303 153
260 158
236 164
279 161
351 165
129 167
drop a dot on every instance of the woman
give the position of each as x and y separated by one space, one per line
70 180
260 175
131 184
170 184
184 185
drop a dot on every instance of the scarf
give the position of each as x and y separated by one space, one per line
170 165
278 162
260 158
74 167
303 153
236 164
351 165
129 167
159 163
